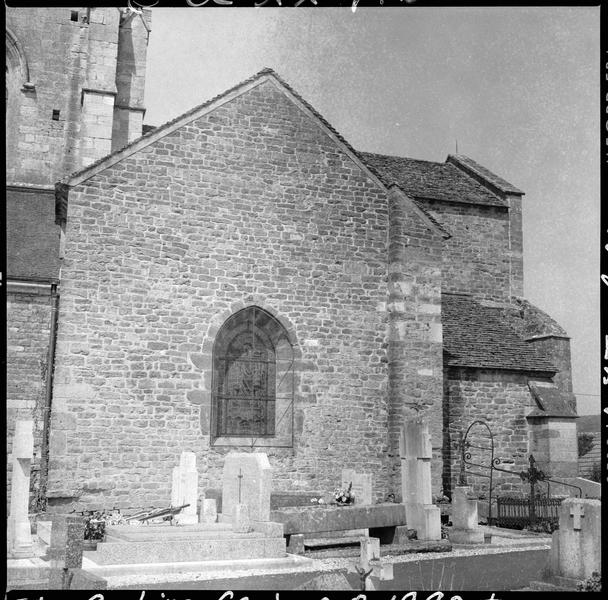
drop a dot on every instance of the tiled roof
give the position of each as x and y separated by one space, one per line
478 170
430 180
551 402
479 336
32 238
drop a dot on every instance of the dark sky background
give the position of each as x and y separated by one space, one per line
517 88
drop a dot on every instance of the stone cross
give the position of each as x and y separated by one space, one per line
576 512
18 526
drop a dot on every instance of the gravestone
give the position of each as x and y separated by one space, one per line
247 479
465 521
184 489
208 510
362 485
241 523
65 552
416 453
19 536
576 545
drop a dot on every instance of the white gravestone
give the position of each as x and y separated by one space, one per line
208 511
465 525
19 536
247 479
362 485
185 489
416 453
576 545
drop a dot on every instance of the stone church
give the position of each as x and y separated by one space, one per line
242 278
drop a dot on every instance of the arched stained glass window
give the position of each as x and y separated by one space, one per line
251 358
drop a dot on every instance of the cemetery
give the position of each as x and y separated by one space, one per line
338 541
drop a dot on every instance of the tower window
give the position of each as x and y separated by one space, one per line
74 15
55 114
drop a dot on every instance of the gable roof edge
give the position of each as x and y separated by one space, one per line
493 182
327 128
163 130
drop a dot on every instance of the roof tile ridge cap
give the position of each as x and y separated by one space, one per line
158 128
423 160
498 182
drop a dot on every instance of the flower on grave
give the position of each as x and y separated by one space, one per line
315 500
344 496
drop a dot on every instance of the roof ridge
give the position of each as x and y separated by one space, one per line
421 160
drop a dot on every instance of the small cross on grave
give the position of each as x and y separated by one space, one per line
576 512
240 477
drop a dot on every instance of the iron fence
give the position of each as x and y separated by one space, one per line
517 513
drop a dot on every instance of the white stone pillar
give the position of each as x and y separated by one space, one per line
416 453
19 531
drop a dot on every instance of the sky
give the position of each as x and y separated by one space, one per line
517 89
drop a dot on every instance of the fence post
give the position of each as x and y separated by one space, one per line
532 505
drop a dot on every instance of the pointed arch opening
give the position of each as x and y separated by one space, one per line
253 377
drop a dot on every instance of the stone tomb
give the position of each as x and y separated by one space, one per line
19 537
576 545
416 453
184 489
247 479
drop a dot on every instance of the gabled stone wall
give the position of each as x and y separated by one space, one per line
252 204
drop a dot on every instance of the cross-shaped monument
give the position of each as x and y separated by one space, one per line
577 512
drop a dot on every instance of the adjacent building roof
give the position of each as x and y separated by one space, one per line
480 172
552 402
32 238
431 180
479 336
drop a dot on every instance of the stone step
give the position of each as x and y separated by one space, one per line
555 583
187 550
332 542
176 534
146 573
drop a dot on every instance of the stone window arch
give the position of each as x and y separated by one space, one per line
253 377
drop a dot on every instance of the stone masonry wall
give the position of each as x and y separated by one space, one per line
503 400
27 342
476 257
415 352
250 204
41 150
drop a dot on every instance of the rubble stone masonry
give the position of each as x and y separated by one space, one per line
251 204
476 257
27 342
503 400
